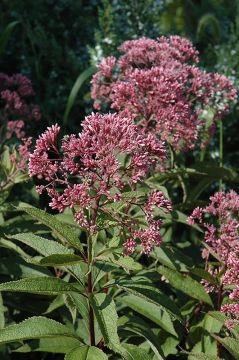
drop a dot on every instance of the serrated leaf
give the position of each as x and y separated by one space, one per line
60 260
62 230
202 356
86 353
150 311
82 305
185 284
55 345
42 245
134 352
39 285
151 294
70 306
106 315
37 327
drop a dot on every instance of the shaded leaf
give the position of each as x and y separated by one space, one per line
60 260
230 344
150 311
75 89
185 284
86 353
151 294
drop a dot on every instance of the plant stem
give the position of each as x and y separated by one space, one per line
91 313
220 150
219 303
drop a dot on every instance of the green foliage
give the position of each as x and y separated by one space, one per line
34 328
86 353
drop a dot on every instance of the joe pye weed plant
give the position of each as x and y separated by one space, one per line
117 283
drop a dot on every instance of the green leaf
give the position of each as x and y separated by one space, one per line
106 315
171 257
20 268
216 172
86 353
75 89
42 245
203 274
3 196
182 218
230 344
60 260
210 325
222 318
135 352
151 294
150 311
5 35
185 284
37 327
202 356
2 310
55 345
39 285
139 327
10 245
82 305
62 230
126 262
208 23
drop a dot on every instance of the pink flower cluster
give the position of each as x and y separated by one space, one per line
97 167
15 92
157 84
149 236
222 235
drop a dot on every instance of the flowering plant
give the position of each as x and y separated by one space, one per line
117 260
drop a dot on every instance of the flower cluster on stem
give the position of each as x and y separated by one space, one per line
98 167
157 84
15 96
222 237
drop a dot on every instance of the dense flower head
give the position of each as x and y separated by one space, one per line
15 104
158 85
222 236
97 167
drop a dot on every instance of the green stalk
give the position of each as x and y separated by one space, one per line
90 291
220 150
